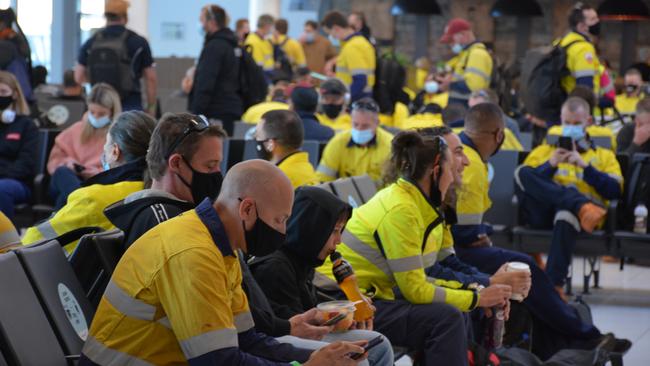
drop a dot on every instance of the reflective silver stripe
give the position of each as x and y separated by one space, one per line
342 69
406 264
371 255
446 252
429 259
102 355
470 219
327 171
616 177
9 238
517 179
244 322
439 294
46 230
457 95
127 305
568 217
324 282
165 322
581 74
361 71
208 342
478 72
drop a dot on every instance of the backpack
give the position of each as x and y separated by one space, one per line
282 64
109 62
542 71
390 77
253 87
11 61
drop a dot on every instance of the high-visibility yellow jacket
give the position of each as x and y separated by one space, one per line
84 208
582 61
398 118
299 170
254 113
593 131
343 122
626 104
175 295
357 61
472 71
343 158
422 120
441 99
390 240
293 50
262 51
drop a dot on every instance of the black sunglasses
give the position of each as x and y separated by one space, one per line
197 124
369 106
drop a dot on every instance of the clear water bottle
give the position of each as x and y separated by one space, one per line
641 219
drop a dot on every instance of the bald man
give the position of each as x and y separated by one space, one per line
176 295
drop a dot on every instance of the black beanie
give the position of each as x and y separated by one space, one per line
304 99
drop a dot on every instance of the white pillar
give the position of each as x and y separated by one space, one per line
65 38
259 7
139 17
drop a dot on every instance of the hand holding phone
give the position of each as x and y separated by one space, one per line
565 142
371 344
333 321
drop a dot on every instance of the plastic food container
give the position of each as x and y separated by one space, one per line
331 309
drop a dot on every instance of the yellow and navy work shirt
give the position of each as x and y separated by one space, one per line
592 131
262 51
355 66
343 158
293 50
397 119
626 105
473 199
582 62
297 167
174 297
254 113
600 181
472 71
422 120
441 99
391 240
342 122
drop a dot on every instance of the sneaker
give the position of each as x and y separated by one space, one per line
591 215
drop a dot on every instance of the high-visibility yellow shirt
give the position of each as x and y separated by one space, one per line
343 158
293 50
420 78
604 160
398 118
254 113
593 131
473 199
582 61
342 122
299 170
422 120
357 57
84 208
390 240
441 99
262 51
175 295
626 104
411 94
472 66
510 141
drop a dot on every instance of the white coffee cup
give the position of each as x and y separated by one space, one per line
517 267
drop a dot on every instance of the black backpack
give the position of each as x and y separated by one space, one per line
283 66
109 62
542 71
253 87
390 77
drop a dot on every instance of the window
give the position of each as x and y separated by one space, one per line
35 19
92 17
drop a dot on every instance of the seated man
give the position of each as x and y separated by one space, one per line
332 104
184 163
124 164
362 150
566 188
635 137
626 102
279 137
304 101
176 296
286 276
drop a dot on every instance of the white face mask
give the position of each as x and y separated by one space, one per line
8 116
457 48
431 87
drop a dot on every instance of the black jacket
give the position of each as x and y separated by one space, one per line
626 146
143 210
215 91
129 172
286 276
313 129
18 149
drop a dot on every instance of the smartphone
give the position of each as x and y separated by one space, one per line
335 320
371 344
79 168
565 142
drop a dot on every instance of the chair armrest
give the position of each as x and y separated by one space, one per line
39 189
612 217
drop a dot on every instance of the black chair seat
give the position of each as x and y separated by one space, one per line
632 245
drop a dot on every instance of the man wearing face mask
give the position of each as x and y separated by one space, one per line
472 65
355 65
633 93
362 150
566 189
332 105
184 163
318 49
185 274
260 42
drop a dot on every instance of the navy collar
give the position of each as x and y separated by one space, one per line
457 124
467 141
352 35
287 157
211 220
370 143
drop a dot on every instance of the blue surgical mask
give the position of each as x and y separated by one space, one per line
576 132
105 165
98 122
431 87
457 48
310 37
334 41
362 137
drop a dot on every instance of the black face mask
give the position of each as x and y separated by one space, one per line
332 110
630 89
261 151
203 184
6 102
595 29
262 239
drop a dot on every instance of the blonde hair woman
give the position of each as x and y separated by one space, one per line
18 145
77 151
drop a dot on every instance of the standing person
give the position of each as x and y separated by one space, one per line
632 94
357 21
135 61
216 83
242 29
261 46
304 102
18 146
77 150
182 281
635 137
291 47
472 64
318 49
355 64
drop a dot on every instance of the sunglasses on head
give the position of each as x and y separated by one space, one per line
197 124
369 106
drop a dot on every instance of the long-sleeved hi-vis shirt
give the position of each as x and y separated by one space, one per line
391 240
355 66
582 63
592 131
176 298
262 51
343 158
293 50
472 71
